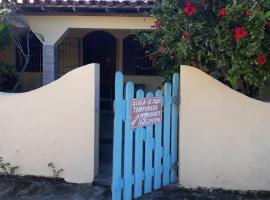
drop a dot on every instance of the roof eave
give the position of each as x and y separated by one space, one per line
86 11
87 8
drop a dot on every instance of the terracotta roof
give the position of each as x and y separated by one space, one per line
86 6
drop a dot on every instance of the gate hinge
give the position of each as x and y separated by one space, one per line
175 166
177 100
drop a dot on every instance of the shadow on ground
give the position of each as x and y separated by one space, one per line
176 193
37 188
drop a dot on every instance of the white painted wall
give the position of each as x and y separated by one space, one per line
224 135
42 23
57 123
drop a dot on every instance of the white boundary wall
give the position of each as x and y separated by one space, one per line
224 136
57 123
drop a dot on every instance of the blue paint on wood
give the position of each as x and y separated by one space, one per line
174 127
139 138
166 134
117 142
128 145
151 174
158 151
148 155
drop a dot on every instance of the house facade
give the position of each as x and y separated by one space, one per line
69 34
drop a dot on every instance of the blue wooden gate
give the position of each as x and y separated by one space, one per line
144 159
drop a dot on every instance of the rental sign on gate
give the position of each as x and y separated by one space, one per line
146 111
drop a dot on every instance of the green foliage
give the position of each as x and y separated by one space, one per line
7 168
6 31
5 35
56 172
8 77
227 39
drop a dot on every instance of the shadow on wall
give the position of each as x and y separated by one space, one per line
56 123
266 93
224 135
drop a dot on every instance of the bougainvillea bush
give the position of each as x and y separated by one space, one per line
228 39
8 75
6 32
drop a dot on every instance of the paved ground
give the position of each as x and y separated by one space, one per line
34 188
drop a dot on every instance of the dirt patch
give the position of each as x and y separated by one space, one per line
40 188
174 192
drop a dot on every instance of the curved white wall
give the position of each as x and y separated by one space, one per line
224 135
57 123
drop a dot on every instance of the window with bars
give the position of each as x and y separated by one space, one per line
135 58
35 53
69 54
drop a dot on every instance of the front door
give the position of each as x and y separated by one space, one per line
100 47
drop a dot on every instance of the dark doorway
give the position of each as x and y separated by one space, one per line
100 47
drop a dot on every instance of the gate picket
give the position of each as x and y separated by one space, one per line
166 135
158 151
117 137
139 138
148 155
174 139
154 146
128 144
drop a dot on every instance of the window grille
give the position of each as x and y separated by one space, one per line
69 54
35 54
136 58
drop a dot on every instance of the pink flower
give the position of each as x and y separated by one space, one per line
240 32
223 12
190 9
262 58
